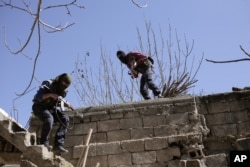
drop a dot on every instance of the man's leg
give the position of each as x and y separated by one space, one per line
47 119
144 88
61 131
150 82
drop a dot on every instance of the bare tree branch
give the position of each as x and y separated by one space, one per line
37 22
243 50
232 61
138 5
228 61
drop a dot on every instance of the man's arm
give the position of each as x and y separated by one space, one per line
44 92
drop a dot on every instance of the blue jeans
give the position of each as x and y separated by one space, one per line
148 83
48 117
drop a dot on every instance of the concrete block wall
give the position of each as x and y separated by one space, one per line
156 132
133 133
227 117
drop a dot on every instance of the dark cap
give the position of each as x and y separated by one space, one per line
120 53
66 78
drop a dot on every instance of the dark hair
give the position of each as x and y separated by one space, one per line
120 53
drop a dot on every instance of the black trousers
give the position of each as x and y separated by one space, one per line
148 83
49 117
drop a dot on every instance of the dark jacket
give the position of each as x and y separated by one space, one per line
48 86
141 60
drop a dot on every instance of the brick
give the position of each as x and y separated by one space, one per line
130 123
119 159
99 117
97 138
217 107
168 154
177 119
174 163
140 133
133 145
77 151
216 160
238 105
224 130
108 148
167 130
151 121
183 107
71 141
131 114
219 118
188 129
182 163
102 160
241 116
108 125
243 128
156 143
243 144
81 129
118 135
217 146
193 163
144 157
116 115
154 110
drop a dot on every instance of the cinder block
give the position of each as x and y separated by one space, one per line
156 120
102 160
107 148
167 130
156 143
216 160
168 154
177 119
108 125
130 123
193 163
133 145
243 144
119 159
118 135
144 157
141 133
224 130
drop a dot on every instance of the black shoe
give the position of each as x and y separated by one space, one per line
236 89
60 149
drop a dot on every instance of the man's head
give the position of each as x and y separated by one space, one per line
121 56
64 81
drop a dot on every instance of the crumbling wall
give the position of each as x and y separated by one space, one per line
182 132
153 132
227 117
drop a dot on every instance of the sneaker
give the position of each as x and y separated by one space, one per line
49 147
60 149
160 96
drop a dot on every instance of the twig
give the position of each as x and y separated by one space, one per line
140 6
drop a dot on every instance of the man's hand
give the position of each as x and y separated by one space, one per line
134 65
133 74
68 105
